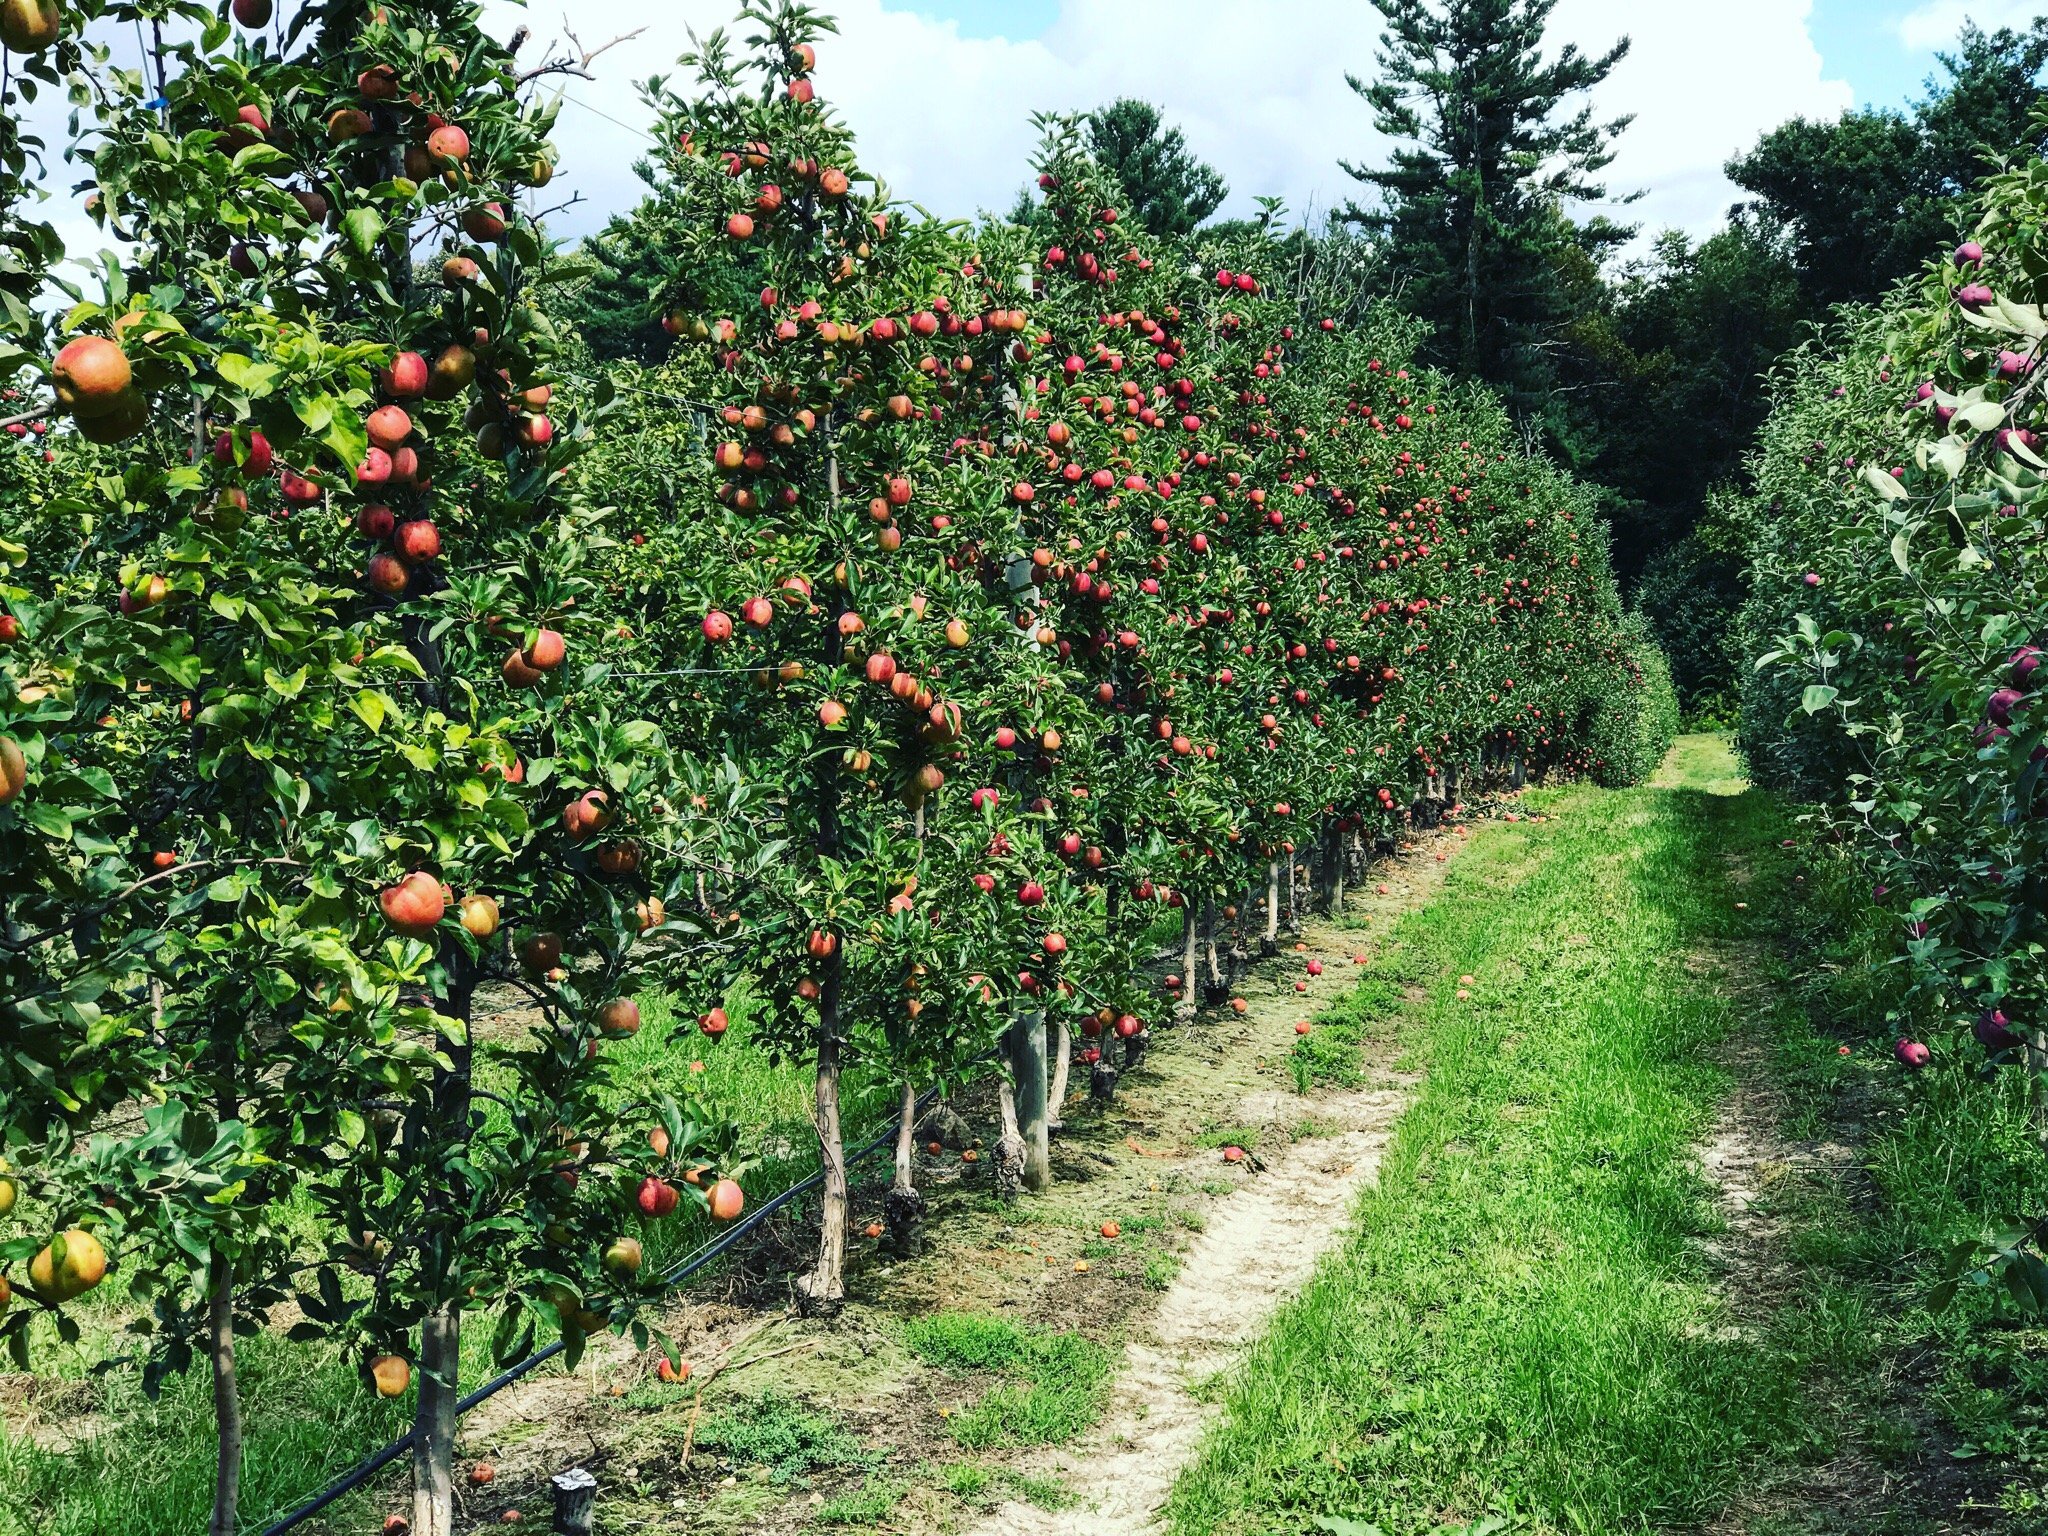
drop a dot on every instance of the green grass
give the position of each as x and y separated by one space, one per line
1332 1054
785 1436
1049 1386
1520 1325
153 1469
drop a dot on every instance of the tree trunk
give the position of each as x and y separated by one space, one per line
227 1399
1269 941
433 1447
904 1209
1293 909
1010 1144
824 1288
433 1452
1336 859
1062 1064
1190 933
1102 1079
1215 969
1027 1067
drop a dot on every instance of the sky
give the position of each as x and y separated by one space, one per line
939 92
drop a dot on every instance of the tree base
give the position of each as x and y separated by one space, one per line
946 1128
1101 1082
1009 1160
903 1216
820 1294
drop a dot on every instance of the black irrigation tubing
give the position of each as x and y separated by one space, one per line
365 1470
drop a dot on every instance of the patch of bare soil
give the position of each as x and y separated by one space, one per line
1206 1249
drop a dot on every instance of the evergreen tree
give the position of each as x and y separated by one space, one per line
1170 189
1868 196
1471 207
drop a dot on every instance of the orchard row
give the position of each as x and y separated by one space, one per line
1896 538
953 603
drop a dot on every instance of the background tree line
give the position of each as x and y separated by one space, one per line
1642 373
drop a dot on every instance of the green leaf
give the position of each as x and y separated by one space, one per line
49 820
1984 416
1818 696
1883 483
364 227
287 687
369 708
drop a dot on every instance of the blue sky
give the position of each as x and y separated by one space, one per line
1859 42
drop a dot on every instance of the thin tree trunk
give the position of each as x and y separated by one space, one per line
433 1447
220 1299
227 1398
1338 837
825 1286
904 1209
1269 941
1027 1059
1215 968
1102 1075
433 1454
1009 1145
1184 1005
1293 910
1062 1063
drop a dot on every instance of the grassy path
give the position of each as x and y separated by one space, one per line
1524 1323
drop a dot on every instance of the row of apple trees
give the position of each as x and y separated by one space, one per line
954 603
1896 539
300 742
1045 579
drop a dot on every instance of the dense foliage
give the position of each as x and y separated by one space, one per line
285 729
1896 539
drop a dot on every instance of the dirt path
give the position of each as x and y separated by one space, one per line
1260 1246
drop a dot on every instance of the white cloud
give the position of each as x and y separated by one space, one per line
1259 92
1935 23
1703 83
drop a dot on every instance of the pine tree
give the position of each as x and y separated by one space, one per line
1170 190
1471 208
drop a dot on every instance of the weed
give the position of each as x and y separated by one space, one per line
966 1480
1216 1134
1049 1387
1047 1493
870 1504
783 1435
